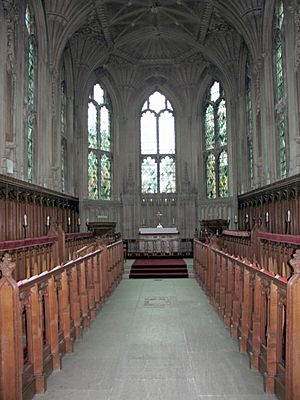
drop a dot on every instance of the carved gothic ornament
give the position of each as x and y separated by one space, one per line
7 266
295 262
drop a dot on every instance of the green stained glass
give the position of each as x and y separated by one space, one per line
166 126
223 174
157 138
29 21
221 120
149 175
209 128
282 145
30 148
148 133
250 132
167 175
30 96
92 126
93 176
63 151
99 139
211 188
105 177
105 128
30 90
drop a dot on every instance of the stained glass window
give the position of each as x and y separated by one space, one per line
167 175
149 175
211 187
223 174
30 89
209 127
157 133
249 128
93 181
279 85
215 143
99 143
63 106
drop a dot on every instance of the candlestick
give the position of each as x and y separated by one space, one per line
78 222
267 217
288 216
48 220
246 218
25 220
69 221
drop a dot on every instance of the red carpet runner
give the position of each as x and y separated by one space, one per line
158 268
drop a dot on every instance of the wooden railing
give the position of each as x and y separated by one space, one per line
262 312
158 246
42 316
36 255
269 250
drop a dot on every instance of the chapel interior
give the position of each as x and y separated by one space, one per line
149 129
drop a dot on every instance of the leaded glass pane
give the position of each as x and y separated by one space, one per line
215 91
149 175
211 188
30 148
28 21
169 106
221 118
282 144
148 133
105 177
105 128
92 126
92 176
250 131
223 174
167 175
63 163
279 79
157 102
98 94
30 94
166 133
209 128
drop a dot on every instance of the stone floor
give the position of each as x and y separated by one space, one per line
156 340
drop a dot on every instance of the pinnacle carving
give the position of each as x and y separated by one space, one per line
295 262
7 266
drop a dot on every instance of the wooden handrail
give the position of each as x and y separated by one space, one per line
274 237
261 309
43 315
10 245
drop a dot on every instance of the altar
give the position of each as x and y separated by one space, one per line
159 241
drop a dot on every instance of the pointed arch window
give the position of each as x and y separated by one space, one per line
30 101
280 86
157 135
63 129
99 144
215 143
249 127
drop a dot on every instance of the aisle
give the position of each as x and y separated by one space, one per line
158 340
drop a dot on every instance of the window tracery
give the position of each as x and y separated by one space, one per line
157 134
215 143
99 144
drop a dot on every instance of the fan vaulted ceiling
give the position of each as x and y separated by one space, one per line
154 31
